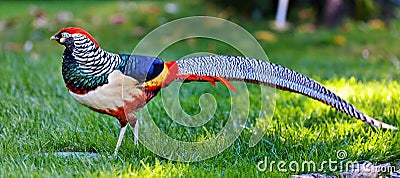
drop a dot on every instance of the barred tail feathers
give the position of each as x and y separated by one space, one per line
225 68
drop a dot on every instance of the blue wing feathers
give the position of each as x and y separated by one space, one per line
141 68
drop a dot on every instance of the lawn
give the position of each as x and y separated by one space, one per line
359 61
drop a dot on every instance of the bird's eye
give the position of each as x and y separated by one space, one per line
65 35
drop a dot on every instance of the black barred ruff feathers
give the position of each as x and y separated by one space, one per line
86 66
92 59
270 74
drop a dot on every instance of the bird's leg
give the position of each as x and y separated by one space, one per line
132 122
120 137
136 133
135 126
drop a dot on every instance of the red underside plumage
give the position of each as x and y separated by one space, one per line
173 75
121 112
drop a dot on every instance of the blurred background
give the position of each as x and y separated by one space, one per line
336 30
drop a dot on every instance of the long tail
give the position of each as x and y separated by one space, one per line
225 68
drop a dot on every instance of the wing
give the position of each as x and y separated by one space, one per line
141 68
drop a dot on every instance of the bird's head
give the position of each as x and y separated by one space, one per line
69 37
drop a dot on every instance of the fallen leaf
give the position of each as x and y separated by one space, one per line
265 36
376 24
339 40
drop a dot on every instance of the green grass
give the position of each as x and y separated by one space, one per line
38 116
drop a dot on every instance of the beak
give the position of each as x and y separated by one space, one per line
61 40
53 38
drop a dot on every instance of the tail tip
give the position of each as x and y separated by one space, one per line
387 126
380 124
